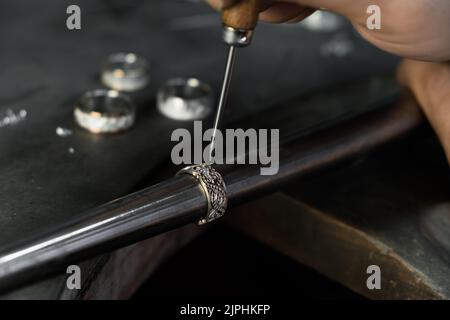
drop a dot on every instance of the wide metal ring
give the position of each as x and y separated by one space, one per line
213 188
237 37
185 99
125 72
104 111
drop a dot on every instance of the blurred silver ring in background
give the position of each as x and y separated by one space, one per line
125 72
104 111
185 99
323 21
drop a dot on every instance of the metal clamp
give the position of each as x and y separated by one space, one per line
237 37
213 188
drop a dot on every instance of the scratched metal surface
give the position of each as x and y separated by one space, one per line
45 67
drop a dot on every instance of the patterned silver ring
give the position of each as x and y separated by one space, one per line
104 111
125 72
213 188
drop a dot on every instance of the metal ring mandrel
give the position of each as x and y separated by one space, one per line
213 188
104 111
125 72
185 99
236 37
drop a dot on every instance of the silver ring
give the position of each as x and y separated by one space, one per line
104 111
185 99
213 188
125 72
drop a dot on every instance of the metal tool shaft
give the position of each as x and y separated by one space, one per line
223 97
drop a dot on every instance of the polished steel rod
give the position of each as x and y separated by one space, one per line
179 201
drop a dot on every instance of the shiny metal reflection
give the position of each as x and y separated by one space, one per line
185 99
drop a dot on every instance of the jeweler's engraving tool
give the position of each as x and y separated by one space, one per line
239 22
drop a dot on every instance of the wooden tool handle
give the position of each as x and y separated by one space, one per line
243 15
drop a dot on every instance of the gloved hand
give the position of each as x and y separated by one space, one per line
418 30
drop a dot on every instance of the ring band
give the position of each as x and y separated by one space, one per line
125 72
185 99
104 111
213 188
